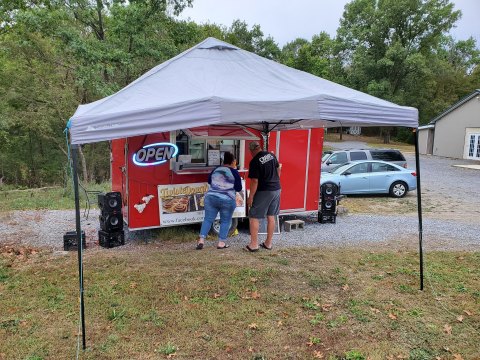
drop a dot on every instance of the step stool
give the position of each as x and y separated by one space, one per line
294 225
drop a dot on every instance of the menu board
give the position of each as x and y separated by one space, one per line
213 157
184 203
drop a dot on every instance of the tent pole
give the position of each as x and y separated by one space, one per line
265 133
419 208
74 149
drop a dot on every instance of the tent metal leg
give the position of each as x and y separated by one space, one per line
74 149
265 134
419 208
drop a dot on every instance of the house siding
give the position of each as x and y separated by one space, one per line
425 141
450 130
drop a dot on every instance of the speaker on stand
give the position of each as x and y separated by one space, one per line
329 200
111 220
110 202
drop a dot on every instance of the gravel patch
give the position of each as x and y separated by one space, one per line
46 229
374 232
449 193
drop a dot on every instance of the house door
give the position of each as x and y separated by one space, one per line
474 147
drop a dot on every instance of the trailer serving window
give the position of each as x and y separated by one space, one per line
205 146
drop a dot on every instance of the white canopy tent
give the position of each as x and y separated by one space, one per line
217 83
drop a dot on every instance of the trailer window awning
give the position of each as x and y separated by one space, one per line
223 132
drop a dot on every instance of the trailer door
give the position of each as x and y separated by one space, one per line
291 148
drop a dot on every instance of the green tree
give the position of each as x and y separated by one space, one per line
318 56
58 54
252 40
399 50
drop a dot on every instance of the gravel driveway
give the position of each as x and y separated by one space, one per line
452 222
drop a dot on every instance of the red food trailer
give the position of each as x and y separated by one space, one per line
163 176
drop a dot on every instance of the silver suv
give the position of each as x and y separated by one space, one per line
332 159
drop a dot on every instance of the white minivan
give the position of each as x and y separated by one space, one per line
332 159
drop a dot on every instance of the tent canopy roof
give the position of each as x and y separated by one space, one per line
217 83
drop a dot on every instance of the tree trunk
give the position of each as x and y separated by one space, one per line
341 133
386 136
84 165
92 162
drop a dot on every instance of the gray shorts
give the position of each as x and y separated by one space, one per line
265 203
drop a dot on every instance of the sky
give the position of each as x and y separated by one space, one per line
288 20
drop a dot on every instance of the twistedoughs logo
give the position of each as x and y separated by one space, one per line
266 158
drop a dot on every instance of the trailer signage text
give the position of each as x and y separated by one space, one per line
155 154
182 190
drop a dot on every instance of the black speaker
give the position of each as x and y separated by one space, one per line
327 218
330 189
70 241
110 205
111 239
110 202
111 222
329 193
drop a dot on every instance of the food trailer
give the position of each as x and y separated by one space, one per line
163 176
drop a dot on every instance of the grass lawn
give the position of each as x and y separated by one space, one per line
156 301
52 198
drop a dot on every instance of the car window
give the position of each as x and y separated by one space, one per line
358 155
358 168
379 167
338 158
387 155
325 156
340 168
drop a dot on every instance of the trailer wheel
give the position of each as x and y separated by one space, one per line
215 230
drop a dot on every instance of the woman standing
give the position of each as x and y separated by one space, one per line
224 182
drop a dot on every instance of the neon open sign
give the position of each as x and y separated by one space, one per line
155 154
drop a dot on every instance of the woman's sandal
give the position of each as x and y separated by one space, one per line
226 246
199 246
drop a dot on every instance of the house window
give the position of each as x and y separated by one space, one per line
474 147
478 147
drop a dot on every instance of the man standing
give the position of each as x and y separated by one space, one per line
264 198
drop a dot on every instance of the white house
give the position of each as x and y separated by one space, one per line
455 133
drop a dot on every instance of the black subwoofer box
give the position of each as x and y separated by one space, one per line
70 241
111 239
327 218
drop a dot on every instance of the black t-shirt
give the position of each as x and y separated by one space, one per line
264 167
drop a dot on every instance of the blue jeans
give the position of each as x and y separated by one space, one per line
213 206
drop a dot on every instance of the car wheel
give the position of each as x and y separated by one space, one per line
216 227
398 189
